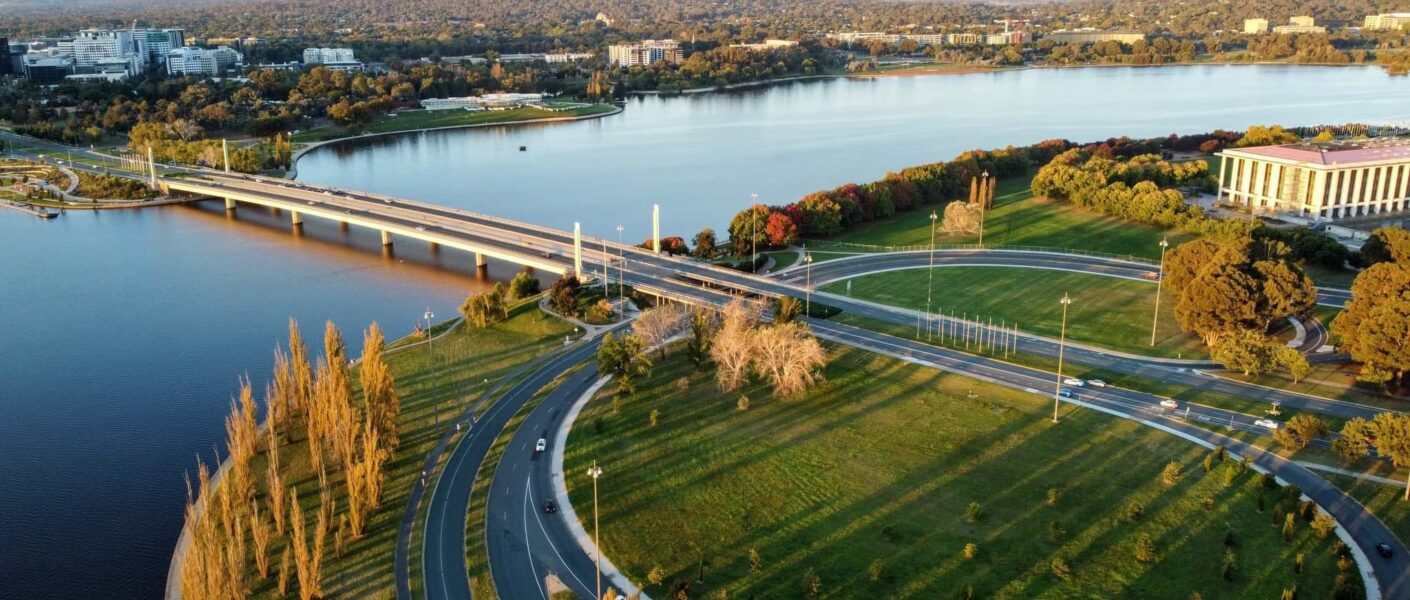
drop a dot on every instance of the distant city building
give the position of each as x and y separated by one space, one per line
48 67
644 53
158 43
1006 39
333 58
17 52
485 102
233 42
1392 21
5 67
853 37
1255 26
964 39
104 50
927 39
1325 181
551 58
1087 36
767 45
1300 25
209 62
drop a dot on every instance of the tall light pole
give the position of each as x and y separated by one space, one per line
431 356
753 233
984 207
808 288
595 471
1062 341
1159 283
621 266
930 282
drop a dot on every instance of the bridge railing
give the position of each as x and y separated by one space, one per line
873 248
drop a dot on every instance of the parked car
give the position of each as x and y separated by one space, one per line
1385 550
1065 392
550 506
1267 424
1096 383
541 445
1168 403
1073 381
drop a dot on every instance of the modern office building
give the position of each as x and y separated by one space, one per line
766 45
17 52
644 53
47 67
208 62
1322 181
1392 21
1255 26
1300 25
963 39
333 58
158 43
5 68
1007 38
486 102
1087 36
104 49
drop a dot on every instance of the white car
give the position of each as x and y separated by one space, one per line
1096 383
1168 403
541 445
421 228
1267 423
1073 381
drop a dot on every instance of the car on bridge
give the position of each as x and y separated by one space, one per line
1267 424
1073 381
1065 393
1168 403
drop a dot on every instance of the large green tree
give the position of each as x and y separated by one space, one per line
1373 328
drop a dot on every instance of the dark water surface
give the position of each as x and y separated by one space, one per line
122 333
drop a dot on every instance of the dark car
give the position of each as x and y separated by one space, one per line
1065 392
1385 550
550 506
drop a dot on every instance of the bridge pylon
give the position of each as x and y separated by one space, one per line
656 228
578 250
225 150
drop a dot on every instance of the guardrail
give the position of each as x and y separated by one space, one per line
862 248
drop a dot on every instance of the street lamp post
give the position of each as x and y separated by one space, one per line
1159 283
621 266
753 233
431 355
808 287
1062 341
595 471
930 282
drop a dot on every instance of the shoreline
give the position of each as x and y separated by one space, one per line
293 172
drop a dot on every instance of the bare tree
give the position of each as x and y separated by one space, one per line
788 357
962 218
733 344
657 325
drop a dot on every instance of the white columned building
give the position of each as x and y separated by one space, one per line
1322 181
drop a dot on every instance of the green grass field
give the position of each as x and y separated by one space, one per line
879 463
1020 219
433 388
1105 311
428 119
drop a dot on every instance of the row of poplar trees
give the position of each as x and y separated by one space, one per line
234 521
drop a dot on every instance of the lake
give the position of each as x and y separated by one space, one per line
124 333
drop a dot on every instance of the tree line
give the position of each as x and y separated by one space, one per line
239 523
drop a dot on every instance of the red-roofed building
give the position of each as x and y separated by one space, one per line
1324 181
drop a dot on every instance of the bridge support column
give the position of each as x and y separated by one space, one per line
480 260
296 218
386 238
578 250
656 228
229 204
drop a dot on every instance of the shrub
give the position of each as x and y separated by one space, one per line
1060 569
973 512
1288 531
971 550
1323 525
877 570
1134 510
1170 475
1056 531
743 403
1053 494
812 585
1231 566
1299 563
523 285
655 417
1145 548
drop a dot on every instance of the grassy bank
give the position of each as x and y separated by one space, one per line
1020 219
413 120
875 468
1105 311
433 387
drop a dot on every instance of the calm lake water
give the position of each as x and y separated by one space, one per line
123 333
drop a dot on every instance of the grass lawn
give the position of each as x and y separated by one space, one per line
427 119
1385 501
876 467
446 384
1020 219
785 259
1105 311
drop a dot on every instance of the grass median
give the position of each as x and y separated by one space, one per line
865 483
